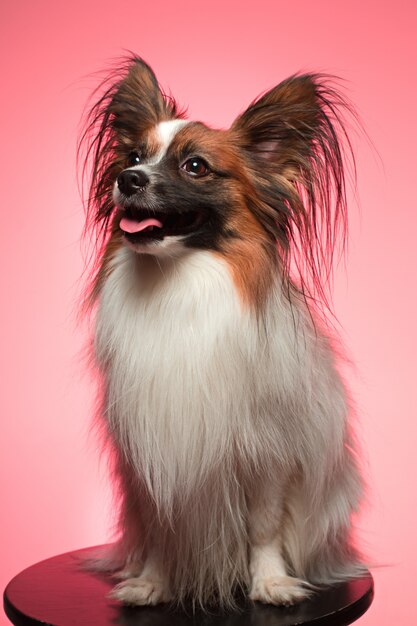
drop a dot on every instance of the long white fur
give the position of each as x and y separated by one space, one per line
234 455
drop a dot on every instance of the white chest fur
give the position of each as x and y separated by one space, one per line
194 380
176 367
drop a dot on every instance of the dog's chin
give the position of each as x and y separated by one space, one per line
170 246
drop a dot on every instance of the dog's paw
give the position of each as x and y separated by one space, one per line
141 591
279 590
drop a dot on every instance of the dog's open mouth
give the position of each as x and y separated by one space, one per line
144 226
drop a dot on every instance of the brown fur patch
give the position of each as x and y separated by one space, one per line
197 139
251 258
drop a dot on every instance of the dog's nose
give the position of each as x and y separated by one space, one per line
132 181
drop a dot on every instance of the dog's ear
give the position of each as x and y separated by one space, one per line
294 141
138 103
281 128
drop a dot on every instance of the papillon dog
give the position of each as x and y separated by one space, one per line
221 397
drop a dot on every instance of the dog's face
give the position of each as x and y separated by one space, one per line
181 188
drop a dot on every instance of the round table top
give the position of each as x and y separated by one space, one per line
59 592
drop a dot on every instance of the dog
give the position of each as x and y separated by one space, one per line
221 400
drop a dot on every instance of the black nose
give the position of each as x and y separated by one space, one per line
132 181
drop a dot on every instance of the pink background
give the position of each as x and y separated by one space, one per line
215 57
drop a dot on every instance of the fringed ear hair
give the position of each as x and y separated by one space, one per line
138 104
293 139
131 102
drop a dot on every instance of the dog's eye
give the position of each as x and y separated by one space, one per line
196 167
133 159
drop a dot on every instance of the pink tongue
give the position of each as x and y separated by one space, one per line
135 226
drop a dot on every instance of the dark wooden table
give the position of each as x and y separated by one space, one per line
59 592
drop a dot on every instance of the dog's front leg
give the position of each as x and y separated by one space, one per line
144 577
149 588
270 582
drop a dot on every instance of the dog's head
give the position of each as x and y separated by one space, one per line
163 185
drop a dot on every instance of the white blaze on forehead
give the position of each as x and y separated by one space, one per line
165 133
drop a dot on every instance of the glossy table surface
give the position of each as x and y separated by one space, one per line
59 592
